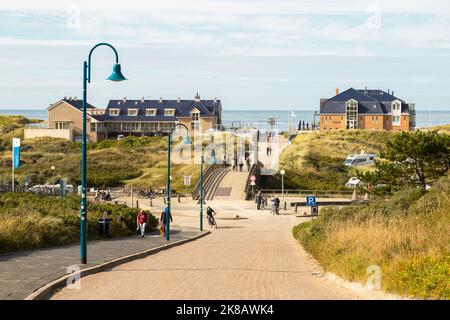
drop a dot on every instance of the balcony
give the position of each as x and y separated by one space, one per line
39 130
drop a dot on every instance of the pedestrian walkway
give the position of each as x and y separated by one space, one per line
254 256
23 272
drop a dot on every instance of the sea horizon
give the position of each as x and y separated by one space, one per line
424 118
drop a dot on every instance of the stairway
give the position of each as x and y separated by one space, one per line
211 180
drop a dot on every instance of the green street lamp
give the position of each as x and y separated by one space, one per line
115 76
187 141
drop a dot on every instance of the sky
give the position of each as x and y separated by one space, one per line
262 54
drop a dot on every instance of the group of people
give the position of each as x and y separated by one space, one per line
102 195
261 203
142 220
238 163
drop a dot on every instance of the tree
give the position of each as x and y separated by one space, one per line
413 158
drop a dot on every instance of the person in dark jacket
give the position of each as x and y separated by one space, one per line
162 221
259 200
275 205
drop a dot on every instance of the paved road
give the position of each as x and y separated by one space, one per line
252 258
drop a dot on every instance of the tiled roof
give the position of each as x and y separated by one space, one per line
369 102
207 108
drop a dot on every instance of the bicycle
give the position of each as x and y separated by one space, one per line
211 221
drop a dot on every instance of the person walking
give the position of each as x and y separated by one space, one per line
248 164
141 221
259 200
241 165
162 221
275 205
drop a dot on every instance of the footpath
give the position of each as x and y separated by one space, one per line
22 273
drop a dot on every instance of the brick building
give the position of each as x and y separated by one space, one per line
366 109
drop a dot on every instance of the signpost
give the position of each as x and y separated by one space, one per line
15 158
253 184
311 201
187 182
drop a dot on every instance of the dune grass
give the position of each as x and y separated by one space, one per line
408 236
314 161
29 221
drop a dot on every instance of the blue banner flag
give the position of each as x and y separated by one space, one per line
16 152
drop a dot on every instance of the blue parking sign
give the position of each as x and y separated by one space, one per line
311 200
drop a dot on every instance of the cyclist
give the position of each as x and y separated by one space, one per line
210 213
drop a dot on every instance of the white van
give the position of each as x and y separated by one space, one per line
361 159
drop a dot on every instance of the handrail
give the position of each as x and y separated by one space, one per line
255 169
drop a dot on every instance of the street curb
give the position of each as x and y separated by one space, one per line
46 291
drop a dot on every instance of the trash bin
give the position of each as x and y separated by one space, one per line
104 227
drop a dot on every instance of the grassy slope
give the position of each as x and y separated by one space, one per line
315 160
137 161
407 236
29 221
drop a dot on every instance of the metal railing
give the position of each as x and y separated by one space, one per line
297 193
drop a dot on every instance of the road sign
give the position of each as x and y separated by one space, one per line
252 183
311 200
187 180
252 178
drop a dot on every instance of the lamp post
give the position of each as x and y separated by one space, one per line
53 181
187 141
282 182
115 76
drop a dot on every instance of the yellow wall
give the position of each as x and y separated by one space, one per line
63 111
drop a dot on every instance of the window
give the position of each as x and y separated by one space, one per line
150 112
166 126
149 126
130 126
351 111
93 127
169 112
114 112
61 125
132 112
195 116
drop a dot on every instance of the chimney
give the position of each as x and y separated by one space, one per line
160 100
215 99
124 99
389 91
392 92
142 99
178 99
337 91
197 97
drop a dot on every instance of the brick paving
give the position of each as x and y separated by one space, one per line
255 257
23 272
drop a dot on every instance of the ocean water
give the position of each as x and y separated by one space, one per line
259 118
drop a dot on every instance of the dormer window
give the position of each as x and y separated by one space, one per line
114 112
195 116
150 112
169 112
132 112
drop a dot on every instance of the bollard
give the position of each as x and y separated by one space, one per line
285 206
137 204
354 196
366 197
164 198
179 199
151 203
295 207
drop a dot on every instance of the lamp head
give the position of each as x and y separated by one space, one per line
282 172
187 140
116 74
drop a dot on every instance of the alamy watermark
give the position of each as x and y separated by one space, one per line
74 280
374 277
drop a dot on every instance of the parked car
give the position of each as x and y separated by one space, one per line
353 182
360 159
120 136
